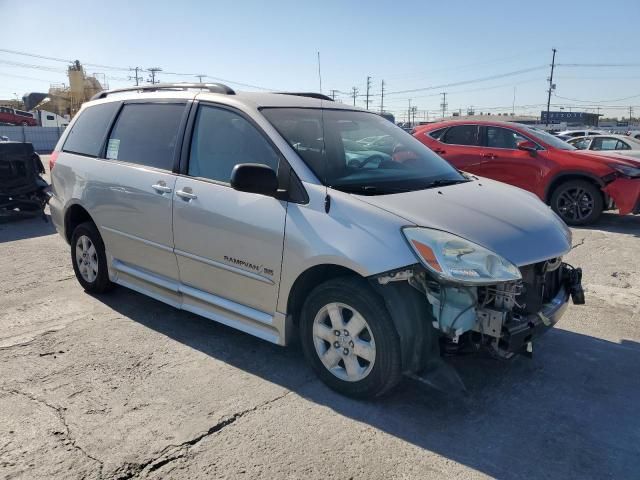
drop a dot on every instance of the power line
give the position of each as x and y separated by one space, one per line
598 101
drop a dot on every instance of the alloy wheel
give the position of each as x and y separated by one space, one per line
344 342
87 258
575 203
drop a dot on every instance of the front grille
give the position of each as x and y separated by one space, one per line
539 285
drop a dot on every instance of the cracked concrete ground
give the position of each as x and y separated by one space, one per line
121 386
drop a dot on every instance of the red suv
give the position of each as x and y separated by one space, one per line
578 186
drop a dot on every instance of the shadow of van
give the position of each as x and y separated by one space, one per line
570 412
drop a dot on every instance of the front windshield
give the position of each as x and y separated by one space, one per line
549 139
360 152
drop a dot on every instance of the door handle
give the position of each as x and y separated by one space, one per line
439 151
186 194
161 187
489 155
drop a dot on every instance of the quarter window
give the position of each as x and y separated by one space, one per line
622 146
436 133
223 139
88 132
462 135
146 134
503 138
582 144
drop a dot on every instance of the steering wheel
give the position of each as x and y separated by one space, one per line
361 163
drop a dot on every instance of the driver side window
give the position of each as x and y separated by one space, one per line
221 140
503 138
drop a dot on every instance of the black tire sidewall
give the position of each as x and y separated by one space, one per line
102 282
598 201
356 293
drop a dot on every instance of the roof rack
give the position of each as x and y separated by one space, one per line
212 87
319 96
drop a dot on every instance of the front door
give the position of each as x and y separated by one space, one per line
506 163
228 243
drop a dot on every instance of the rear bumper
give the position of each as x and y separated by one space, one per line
625 192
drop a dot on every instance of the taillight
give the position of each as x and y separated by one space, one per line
52 159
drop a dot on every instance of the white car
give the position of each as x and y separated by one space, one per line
614 144
579 133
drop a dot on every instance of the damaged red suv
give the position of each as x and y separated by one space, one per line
577 186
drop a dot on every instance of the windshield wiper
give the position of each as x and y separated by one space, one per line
444 182
369 189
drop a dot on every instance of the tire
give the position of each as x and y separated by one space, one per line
577 202
91 270
354 301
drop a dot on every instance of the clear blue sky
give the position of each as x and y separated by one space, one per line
409 44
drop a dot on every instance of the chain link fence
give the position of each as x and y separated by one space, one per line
44 139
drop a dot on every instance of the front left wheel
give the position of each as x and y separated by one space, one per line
89 259
349 338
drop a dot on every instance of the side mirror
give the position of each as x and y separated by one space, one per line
254 178
528 146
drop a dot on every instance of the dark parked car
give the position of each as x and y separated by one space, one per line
23 192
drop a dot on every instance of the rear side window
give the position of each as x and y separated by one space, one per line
462 135
146 134
88 132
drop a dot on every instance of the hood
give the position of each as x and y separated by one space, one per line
625 157
507 220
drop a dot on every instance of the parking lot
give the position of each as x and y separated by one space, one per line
123 386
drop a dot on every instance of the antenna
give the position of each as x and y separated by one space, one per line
319 72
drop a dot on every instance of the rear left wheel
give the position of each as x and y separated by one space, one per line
89 259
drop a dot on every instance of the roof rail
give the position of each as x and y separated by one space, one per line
319 96
212 87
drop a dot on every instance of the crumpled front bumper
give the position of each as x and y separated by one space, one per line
625 192
518 333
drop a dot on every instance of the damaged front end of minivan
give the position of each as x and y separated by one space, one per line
475 300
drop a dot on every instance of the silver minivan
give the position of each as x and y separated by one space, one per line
288 214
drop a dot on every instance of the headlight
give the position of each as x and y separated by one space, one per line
457 260
627 171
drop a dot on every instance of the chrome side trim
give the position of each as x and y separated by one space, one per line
228 305
224 266
139 239
147 277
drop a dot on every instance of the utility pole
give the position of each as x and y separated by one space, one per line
333 94
152 74
551 85
368 86
136 77
630 114
200 77
354 94
444 105
382 97
414 110
409 113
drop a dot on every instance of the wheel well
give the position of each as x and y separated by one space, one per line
75 216
307 281
566 178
